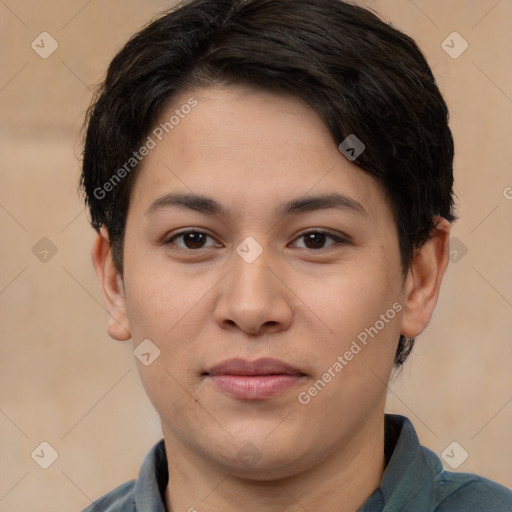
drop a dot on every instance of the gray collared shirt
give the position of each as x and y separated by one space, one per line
414 481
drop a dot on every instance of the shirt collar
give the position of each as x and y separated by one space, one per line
153 478
410 472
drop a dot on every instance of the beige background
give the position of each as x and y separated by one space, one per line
66 383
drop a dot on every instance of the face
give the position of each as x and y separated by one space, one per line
293 257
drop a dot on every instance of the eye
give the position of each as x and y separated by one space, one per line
316 239
193 239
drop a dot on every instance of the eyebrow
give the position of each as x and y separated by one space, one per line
210 206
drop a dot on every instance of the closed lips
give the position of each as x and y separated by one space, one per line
260 367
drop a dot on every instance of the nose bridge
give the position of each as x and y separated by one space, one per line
253 296
252 280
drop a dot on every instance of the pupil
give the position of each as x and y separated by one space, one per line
316 238
195 238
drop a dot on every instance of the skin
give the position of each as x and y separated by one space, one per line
301 302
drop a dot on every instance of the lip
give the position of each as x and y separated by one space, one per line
254 380
263 366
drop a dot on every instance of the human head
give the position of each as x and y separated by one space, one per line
248 160
358 73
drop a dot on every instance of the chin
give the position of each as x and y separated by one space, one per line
257 458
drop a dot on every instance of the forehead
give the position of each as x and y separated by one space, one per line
249 149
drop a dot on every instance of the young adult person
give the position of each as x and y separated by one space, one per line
271 185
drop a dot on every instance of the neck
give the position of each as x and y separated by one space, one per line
342 481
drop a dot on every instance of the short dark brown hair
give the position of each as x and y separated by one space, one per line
361 76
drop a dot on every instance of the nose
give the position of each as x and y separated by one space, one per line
254 297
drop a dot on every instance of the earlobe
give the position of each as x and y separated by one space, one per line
112 287
424 279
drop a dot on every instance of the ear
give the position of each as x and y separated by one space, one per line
112 287
424 278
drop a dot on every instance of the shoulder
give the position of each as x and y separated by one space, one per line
137 495
415 479
120 499
465 492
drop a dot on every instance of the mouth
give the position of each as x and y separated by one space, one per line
253 380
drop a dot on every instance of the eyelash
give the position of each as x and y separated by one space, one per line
337 239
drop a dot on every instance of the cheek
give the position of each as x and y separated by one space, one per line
155 297
361 308
353 363
171 311
354 298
